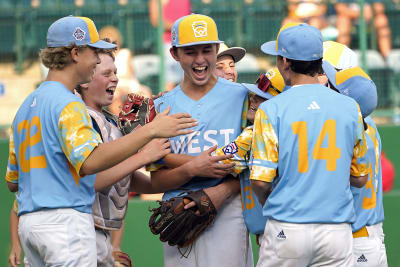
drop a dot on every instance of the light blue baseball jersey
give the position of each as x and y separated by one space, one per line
368 199
219 116
240 149
311 138
52 135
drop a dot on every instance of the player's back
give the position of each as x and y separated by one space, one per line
317 130
46 177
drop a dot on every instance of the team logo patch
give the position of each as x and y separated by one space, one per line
271 74
199 29
79 34
230 149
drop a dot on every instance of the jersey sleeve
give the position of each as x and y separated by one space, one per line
76 135
359 163
244 112
264 161
12 168
239 149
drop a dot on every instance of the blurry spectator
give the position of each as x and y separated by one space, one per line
127 80
172 10
311 12
348 12
388 173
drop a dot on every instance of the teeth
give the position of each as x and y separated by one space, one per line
200 68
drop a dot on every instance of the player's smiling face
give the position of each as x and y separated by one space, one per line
226 68
198 63
88 59
100 91
255 102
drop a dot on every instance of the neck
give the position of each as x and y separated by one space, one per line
64 76
197 91
299 79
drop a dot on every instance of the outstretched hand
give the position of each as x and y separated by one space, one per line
165 125
206 165
156 149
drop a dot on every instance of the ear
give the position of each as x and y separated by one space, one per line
286 63
217 47
175 56
85 85
75 54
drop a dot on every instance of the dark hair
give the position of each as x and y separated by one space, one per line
305 67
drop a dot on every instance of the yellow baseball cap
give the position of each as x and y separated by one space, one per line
194 29
267 85
339 55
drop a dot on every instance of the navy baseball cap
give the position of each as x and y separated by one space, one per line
297 41
75 30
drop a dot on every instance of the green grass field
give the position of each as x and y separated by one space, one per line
145 248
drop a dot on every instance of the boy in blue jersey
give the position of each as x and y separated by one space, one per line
54 151
368 245
302 139
214 103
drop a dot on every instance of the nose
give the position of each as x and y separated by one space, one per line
114 78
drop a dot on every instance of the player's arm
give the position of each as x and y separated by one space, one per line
15 254
204 165
359 162
82 145
262 190
265 156
116 237
109 154
12 168
153 151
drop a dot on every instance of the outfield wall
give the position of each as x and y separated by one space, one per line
145 248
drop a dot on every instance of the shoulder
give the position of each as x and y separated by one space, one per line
228 85
165 100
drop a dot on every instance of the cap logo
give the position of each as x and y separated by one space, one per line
271 74
199 29
79 34
173 35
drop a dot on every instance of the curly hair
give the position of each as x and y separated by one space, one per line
58 57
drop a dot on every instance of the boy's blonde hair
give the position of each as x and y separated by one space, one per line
58 57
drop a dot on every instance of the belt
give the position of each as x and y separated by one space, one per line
361 233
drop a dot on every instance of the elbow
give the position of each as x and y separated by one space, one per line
358 181
12 187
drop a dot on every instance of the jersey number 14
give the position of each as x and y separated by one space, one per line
330 153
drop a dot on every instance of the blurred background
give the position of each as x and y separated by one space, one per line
142 30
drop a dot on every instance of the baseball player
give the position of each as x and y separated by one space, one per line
305 145
213 102
54 150
368 244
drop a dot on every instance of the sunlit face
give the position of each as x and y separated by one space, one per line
88 59
255 102
198 63
100 91
226 68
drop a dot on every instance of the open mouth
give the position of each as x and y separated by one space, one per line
200 71
110 91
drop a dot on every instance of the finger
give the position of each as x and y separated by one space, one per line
165 111
221 157
181 115
187 125
222 166
211 149
183 132
184 120
190 205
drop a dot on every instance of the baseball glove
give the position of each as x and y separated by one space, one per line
136 112
121 259
178 226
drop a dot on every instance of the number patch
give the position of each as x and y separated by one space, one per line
33 161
